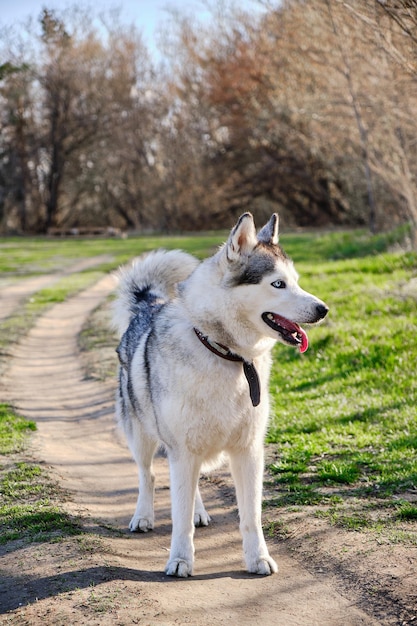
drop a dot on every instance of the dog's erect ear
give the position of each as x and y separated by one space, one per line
242 238
269 233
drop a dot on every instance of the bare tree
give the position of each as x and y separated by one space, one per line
309 109
357 110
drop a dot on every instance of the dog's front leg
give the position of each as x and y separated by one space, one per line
247 470
184 478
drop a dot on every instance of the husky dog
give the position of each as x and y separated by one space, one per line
195 357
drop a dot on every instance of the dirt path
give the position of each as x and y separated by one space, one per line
118 579
13 295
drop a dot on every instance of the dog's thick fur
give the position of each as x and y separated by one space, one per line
176 392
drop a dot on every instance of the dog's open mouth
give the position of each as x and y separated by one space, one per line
290 332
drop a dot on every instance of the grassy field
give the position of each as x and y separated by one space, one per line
345 412
343 433
31 255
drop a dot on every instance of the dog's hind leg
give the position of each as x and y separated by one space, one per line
247 471
143 449
184 477
201 517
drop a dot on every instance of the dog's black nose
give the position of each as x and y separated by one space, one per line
322 310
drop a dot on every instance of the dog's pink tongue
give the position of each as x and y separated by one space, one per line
304 340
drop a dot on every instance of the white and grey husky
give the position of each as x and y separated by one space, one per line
195 357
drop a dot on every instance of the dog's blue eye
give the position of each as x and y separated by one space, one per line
279 284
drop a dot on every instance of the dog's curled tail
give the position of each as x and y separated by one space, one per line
156 275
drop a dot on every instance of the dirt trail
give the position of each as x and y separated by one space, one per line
12 296
77 437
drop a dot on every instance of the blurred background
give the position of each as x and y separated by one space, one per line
168 117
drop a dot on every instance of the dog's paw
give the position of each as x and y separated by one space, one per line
202 518
140 524
179 567
264 566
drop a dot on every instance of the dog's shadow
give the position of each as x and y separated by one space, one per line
34 589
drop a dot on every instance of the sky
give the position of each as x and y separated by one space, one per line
146 14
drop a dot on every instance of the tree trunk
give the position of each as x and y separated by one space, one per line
56 168
23 180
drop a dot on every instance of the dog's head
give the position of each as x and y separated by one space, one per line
278 306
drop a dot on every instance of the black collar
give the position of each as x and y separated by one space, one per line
248 368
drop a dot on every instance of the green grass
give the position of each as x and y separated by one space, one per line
67 286
35 255
344 473
14 430
21 481
407 511
344 414
337 245
29 509
38 521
